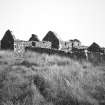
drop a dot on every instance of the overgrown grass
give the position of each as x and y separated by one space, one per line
40 79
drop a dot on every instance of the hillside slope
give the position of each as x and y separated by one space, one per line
40 79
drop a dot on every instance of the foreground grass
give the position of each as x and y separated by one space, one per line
39 79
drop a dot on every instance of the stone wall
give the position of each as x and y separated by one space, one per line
42 44
65 46
19 46
76 44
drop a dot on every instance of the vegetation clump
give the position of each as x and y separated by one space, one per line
41 79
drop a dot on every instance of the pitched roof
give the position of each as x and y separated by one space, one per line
76 40
34 38
50 35
94 47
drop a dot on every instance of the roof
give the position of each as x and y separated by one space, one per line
76 40
49 34
94 47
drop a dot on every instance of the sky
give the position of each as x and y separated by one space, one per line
70 19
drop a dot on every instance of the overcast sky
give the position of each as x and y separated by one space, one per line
70 19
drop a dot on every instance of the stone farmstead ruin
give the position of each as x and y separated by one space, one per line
19 46
50 41
51 44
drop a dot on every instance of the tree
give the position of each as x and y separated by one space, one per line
34 38
7 41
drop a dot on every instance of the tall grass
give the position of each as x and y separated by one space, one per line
40 79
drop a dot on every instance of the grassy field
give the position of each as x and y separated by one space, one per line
40 79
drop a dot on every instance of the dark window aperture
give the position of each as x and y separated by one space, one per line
33 43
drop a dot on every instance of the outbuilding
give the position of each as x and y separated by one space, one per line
52 37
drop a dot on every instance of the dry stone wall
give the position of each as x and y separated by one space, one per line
19 46
65 46
41 44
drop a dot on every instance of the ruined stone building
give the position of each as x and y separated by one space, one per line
20 45
65 46
76 43
7 42
52 37
34 38
68 45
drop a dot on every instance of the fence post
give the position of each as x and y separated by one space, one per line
86 54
